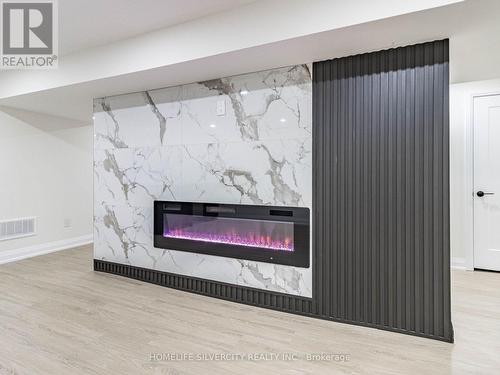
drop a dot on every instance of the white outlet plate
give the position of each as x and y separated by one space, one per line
67 223
221 107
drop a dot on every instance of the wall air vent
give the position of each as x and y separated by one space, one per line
17 228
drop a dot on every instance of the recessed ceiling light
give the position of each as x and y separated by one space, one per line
282 119
244 92
212 125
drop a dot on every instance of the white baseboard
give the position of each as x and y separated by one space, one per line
458 263
45 248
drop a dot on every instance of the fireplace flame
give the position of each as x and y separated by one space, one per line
251 240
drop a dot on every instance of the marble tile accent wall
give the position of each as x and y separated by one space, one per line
170 144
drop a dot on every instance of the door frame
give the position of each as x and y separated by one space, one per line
469 180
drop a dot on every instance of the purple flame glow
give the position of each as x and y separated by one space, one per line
250 240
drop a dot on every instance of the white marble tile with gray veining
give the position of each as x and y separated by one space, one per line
263 173
260 106
136 120
137 176
123 234
170 144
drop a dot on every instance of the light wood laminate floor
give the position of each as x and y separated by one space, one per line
57 316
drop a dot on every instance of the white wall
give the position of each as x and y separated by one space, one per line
460 111
45 171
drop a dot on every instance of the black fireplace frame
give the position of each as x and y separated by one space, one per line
299 216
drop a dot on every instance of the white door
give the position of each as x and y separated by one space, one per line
487 182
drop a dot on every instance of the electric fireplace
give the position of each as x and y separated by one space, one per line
262 233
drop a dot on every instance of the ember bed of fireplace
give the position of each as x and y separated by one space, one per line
262 233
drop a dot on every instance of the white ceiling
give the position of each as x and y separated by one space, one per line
89 23
472 27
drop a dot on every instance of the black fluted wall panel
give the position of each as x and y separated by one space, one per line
381 189
235 293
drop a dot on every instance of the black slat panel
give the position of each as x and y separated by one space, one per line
381 190
256 297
